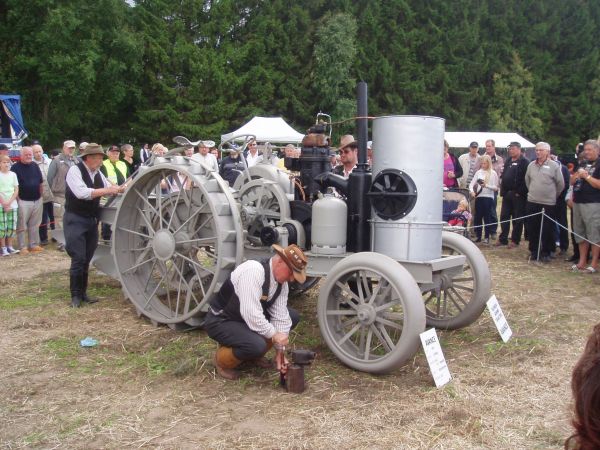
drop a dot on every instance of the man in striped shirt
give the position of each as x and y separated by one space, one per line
250 314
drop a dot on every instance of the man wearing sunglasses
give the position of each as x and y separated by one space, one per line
348 156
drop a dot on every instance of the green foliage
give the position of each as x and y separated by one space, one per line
513 106
111 71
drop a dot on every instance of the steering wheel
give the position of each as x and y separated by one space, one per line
229 142
225 146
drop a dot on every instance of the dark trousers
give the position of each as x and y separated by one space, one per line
246 344
561 218
483 212
81 236
533 224
513 205
494 217
47 221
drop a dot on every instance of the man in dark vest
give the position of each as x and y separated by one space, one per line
249 314
85 185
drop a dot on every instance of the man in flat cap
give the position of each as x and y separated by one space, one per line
249 314
84 187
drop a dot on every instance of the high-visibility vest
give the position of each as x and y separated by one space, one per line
111 174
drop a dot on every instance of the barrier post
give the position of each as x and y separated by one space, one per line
541 230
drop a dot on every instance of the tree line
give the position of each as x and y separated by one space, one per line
147 70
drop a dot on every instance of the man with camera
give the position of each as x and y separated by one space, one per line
586 207
544 182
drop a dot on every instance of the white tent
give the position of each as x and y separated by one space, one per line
267 129
462 139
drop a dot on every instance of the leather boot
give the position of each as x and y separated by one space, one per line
84 285
75 282
226 362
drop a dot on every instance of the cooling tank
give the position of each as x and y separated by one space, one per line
406 192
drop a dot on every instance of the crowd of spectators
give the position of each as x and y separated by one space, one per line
526 187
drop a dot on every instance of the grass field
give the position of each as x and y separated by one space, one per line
148 387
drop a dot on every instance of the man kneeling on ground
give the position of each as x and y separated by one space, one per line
250 314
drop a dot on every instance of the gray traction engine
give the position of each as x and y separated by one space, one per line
388 267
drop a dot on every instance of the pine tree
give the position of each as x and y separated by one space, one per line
513 106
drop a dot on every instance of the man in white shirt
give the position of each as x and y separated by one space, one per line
252 156
249 314
85 185
470 163
204 156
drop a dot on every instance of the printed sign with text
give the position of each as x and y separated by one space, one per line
435 357
498 318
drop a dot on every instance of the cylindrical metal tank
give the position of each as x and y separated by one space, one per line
328 226
408 158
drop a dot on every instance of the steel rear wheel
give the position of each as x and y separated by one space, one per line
459 300
370 313
176 238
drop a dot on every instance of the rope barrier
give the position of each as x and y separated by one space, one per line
543 213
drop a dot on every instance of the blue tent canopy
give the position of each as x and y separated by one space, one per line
12 120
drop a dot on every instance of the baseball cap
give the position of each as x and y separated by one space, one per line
474 144
69 143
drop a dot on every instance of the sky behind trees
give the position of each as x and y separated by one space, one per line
113 72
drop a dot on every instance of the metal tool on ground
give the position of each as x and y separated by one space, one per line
292 375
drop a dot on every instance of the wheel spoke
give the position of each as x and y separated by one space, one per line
206 240
137 233
379 336
464 288
191 216
399 317
389 323
459 297
194 263
135 266
460 280
349 334
387 337
387 305
344 287
341 312
368 344
173 212
147 221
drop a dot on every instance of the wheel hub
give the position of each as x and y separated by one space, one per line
163 245
366 314
445 281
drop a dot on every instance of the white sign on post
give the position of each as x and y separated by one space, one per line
435 357
498 318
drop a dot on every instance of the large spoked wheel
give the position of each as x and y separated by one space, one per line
458 301
177 236
370 313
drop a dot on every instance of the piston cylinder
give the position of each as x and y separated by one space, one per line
407 174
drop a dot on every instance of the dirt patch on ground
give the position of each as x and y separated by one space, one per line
147 387
33 265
